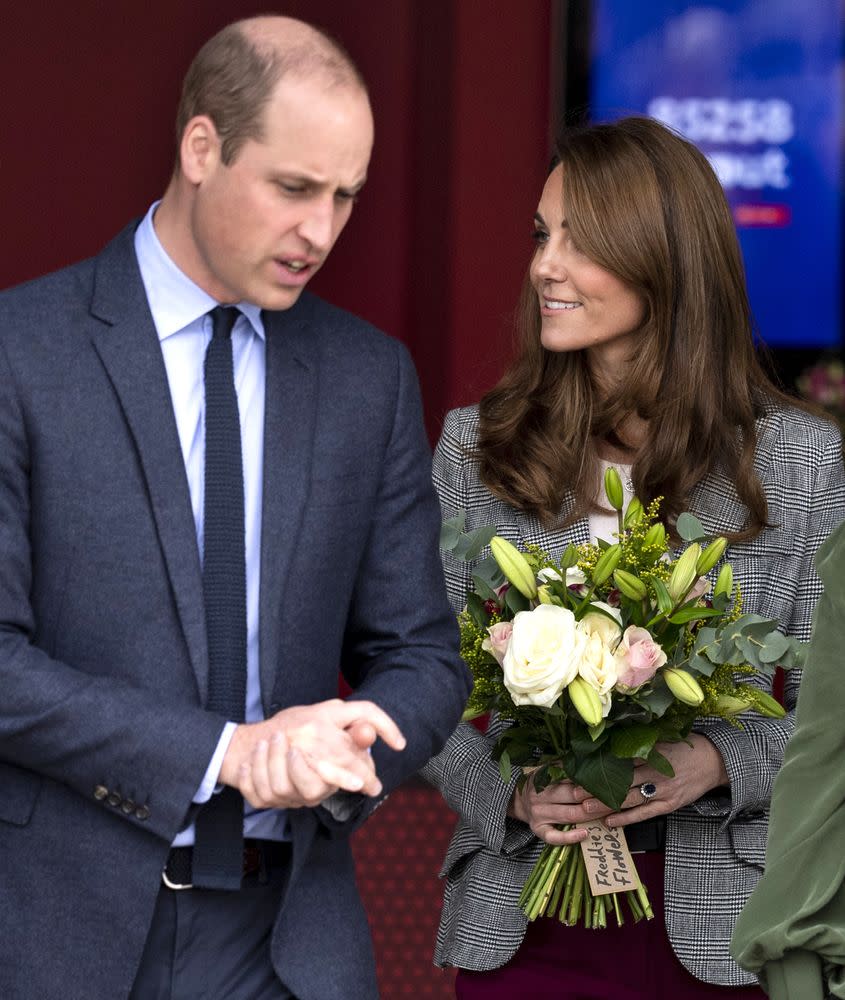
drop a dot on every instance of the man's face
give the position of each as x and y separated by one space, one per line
262 226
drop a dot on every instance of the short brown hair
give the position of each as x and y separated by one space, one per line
232 78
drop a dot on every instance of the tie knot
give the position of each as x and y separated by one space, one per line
223 319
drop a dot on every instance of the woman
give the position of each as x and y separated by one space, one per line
636 350
792 933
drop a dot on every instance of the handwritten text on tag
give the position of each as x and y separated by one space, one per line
610 867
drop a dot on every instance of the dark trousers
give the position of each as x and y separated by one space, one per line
210 945
632 962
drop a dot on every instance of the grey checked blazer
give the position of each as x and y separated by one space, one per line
715 847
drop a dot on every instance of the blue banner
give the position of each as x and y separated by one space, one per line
757 85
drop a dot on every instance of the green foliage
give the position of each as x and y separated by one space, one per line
721 648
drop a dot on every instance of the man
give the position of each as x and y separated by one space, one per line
204 512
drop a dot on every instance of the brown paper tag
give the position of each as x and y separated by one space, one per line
610 867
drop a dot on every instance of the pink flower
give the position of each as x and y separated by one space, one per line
639 657
500 636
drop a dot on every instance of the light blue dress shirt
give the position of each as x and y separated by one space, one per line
180 313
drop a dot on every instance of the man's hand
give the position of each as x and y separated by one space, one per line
304 754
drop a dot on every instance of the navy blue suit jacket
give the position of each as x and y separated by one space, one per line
103 660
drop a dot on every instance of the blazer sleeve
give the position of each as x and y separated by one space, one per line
464 771
85 730
794 924
401 645
753 755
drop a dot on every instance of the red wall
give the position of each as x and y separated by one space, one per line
438 244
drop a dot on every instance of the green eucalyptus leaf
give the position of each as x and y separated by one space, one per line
451 530
753 626
705 635
488 570
698 664
690 528
477 540
775 646
795 656
749 649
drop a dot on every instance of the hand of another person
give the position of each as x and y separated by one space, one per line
304 754
557 805
698 767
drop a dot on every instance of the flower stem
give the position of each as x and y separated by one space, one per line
617 909
577 895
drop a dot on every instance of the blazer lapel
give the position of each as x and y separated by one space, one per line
129 349
289 422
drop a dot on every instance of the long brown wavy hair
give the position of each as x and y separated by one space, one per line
645 205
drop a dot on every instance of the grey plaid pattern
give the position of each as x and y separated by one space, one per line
715 848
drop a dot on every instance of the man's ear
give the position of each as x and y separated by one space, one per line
199 151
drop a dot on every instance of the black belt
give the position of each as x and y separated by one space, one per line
260 857
650 835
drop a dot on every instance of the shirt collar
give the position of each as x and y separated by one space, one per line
175 301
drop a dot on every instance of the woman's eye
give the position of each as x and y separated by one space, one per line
539 236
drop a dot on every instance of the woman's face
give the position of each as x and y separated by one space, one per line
583 307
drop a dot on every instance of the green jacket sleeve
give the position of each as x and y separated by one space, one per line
792 931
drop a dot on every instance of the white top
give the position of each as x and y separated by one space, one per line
604 525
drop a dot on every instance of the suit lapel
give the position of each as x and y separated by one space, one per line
128 347
289 422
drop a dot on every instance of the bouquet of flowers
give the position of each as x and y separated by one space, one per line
596 657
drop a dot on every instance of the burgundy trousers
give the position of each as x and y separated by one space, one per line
632 962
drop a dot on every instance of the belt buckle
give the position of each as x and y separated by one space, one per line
175 886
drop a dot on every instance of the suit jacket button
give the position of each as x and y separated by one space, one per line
142 813
100 792
127 806
114 800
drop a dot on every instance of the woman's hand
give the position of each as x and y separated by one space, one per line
561 804
699 768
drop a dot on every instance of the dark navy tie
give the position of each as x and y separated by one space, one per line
218 850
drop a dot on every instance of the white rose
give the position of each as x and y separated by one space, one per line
543 655
598 665
609 630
